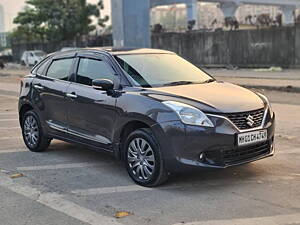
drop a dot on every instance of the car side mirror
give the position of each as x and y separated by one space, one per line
103 84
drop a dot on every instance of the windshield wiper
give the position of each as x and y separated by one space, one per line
209 80
175 83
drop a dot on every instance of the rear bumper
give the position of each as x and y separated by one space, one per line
182 145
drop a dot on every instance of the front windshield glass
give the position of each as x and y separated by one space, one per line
156 70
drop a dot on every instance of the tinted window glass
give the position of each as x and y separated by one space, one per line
60 69
90 69
155 70
42 67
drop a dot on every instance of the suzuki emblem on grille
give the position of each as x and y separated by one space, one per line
250 120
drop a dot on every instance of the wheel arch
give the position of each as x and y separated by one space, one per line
161 174
23 109
125 130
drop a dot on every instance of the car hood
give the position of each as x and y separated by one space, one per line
214 97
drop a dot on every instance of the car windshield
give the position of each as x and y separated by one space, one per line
156 70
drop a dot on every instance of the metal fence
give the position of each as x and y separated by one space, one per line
242 48
19 47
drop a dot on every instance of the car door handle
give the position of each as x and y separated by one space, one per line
38 86
71 95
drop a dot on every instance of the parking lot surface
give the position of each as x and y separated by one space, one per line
70 184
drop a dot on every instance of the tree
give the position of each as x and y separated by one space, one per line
57 20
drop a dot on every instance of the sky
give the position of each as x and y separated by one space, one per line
12 7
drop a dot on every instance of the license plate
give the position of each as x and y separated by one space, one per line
252 137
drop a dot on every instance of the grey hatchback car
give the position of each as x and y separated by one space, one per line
150 108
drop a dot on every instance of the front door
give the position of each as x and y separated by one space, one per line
50 94
91 113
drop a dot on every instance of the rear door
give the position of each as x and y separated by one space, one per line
50 93
92 113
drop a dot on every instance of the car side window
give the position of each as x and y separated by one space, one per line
60 69
91 69
41 68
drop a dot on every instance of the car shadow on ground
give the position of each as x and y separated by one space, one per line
191 178
79 152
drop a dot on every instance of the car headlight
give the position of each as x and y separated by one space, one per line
189 114
267 102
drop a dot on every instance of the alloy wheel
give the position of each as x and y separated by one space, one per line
141 159
31 131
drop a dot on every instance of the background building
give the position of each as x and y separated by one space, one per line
172 18
3 40
209 15
2 25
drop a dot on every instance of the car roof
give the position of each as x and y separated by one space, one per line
132 51
116 51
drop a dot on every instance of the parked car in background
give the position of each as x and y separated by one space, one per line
151 108
30 58
64 49
1 64
5 57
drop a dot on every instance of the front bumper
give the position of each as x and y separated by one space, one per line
182 144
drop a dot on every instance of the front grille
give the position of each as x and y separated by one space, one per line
246 153
240 119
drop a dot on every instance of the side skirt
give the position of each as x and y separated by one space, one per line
92 147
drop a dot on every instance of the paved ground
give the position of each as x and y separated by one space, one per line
286 80
285 74
72 185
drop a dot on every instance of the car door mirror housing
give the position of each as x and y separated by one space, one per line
103 84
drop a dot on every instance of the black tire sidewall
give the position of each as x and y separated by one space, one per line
37 147
142 133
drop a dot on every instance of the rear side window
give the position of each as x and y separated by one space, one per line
42 67
91 69
60 69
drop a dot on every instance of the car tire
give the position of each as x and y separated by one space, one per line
33 134
23 63
143 159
